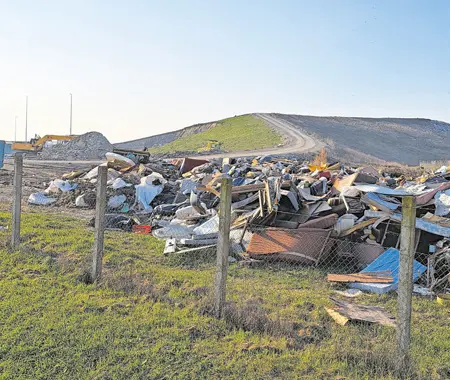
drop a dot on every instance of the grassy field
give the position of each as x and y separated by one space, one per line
236 133
149 319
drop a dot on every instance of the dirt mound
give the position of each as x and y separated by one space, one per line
90 146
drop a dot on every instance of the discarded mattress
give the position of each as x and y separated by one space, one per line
389 260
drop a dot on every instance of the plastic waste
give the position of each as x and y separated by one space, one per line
116 201
119 183
121 160
86 200
150 187
40 199
441 200
210 226
189 212
344 223
60 185
442 170
174 230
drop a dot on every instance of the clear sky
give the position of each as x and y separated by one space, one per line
138 68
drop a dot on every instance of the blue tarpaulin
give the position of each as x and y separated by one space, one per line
389 260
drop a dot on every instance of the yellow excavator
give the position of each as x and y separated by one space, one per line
211 145
37 143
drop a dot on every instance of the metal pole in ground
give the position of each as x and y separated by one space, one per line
222 250
18 167
99 223
405 287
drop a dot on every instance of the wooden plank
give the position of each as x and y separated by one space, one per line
342 312
247 188
339 184
358 226
371 277
268 196
209 189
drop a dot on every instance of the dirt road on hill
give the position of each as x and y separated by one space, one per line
294 141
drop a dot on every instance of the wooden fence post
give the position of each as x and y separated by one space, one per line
17 201
99 223
222 251
405 286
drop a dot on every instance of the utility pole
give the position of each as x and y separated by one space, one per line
26 117
15 128
70 125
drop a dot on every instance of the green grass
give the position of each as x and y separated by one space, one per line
146 319
236 133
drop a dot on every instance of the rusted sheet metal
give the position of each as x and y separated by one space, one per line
421 224
426 197
322 222
190 163
305 246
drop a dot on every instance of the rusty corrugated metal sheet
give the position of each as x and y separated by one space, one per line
302 245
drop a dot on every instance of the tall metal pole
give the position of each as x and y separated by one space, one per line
70 127
15 128
26 117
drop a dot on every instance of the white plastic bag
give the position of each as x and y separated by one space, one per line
119 183
40 199
116 201
60 185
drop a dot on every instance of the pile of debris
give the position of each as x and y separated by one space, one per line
282 210
90 146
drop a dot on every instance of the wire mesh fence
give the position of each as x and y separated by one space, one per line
274 256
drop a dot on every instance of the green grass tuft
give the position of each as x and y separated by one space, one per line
236 133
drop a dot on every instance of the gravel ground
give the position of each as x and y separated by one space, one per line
36 176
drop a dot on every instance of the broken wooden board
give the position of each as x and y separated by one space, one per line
374 277
248 188
343 312
358 226
339 184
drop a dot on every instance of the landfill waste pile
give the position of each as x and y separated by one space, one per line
90 146
309 213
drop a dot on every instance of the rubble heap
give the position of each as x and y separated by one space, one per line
282 210
89 146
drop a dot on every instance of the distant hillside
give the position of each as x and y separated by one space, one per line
400 140
245 132
354 139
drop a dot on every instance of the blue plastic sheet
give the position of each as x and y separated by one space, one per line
389 260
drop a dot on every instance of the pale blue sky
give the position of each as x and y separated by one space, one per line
138 68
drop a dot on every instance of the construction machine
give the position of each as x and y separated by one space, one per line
211 145
37 143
